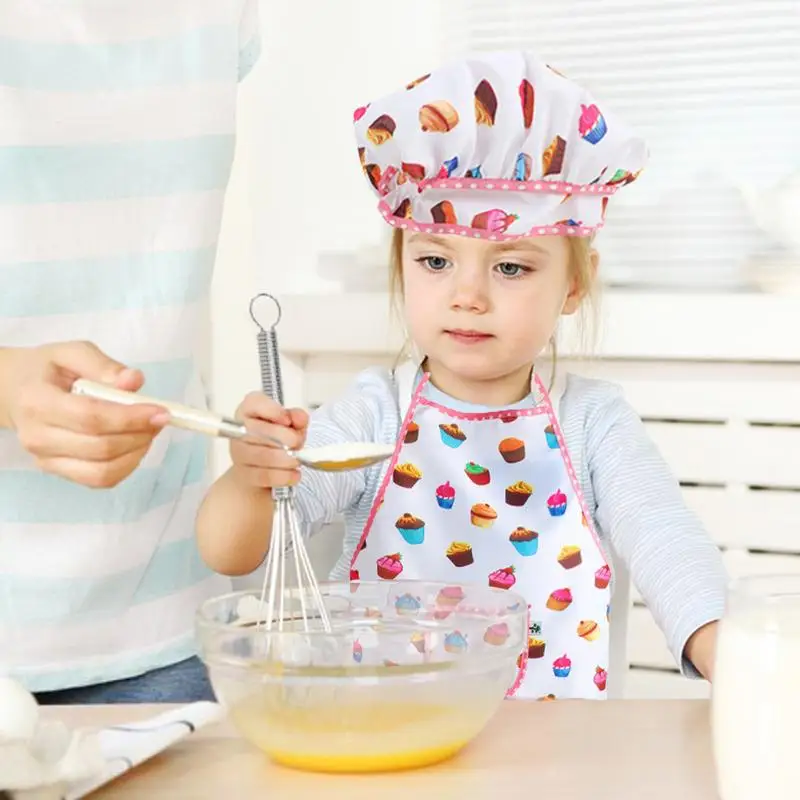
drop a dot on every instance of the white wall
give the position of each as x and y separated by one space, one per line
321 61
296 188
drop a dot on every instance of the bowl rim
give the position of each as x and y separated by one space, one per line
203 619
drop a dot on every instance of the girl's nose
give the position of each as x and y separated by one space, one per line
469 291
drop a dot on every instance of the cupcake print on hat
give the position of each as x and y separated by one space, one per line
557 504
495 220
562 667
485 104
452 435
417 81
477 474
553 157
447 168
438 117
381 130
592 124
411 528
512 450
526 98
522 168
525 542
445 495
444 214
404 211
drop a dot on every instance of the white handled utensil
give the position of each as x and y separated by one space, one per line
333 458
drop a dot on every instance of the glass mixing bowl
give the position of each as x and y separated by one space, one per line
408 675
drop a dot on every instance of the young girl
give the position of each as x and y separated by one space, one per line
495 173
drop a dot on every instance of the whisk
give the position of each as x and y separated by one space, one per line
286 532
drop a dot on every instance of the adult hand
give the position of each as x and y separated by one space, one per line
92 442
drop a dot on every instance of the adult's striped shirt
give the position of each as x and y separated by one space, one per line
117 130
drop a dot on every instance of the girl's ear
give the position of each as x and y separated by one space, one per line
577 292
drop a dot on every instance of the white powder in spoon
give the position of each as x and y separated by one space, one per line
346 452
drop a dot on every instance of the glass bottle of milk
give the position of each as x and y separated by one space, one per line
756 690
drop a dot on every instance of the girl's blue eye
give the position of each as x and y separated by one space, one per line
435 263
509 270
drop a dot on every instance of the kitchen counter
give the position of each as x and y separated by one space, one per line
614 750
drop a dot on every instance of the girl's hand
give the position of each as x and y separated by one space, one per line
701 649
91 442
262 465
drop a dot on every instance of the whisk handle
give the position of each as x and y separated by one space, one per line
270 364
269 360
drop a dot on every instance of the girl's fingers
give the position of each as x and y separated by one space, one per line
258 405
287 436
262 457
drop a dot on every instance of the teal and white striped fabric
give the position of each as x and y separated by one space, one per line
117 129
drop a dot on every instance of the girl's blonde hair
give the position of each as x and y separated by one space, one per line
581 266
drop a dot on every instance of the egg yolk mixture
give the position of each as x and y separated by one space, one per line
381 737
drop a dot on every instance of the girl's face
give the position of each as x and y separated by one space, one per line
482 311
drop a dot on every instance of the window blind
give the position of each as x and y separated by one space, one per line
715 89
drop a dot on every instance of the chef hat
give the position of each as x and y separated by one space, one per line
495 146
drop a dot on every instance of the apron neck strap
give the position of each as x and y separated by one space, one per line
405 378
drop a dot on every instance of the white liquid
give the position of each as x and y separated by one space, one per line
756 704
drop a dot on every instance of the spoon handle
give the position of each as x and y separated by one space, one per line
181 416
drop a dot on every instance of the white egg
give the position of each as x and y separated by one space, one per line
19 713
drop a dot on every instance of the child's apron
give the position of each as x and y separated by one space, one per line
492 498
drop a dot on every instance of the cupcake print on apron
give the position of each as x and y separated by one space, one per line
492 499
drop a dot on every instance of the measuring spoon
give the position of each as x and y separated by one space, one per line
330 458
